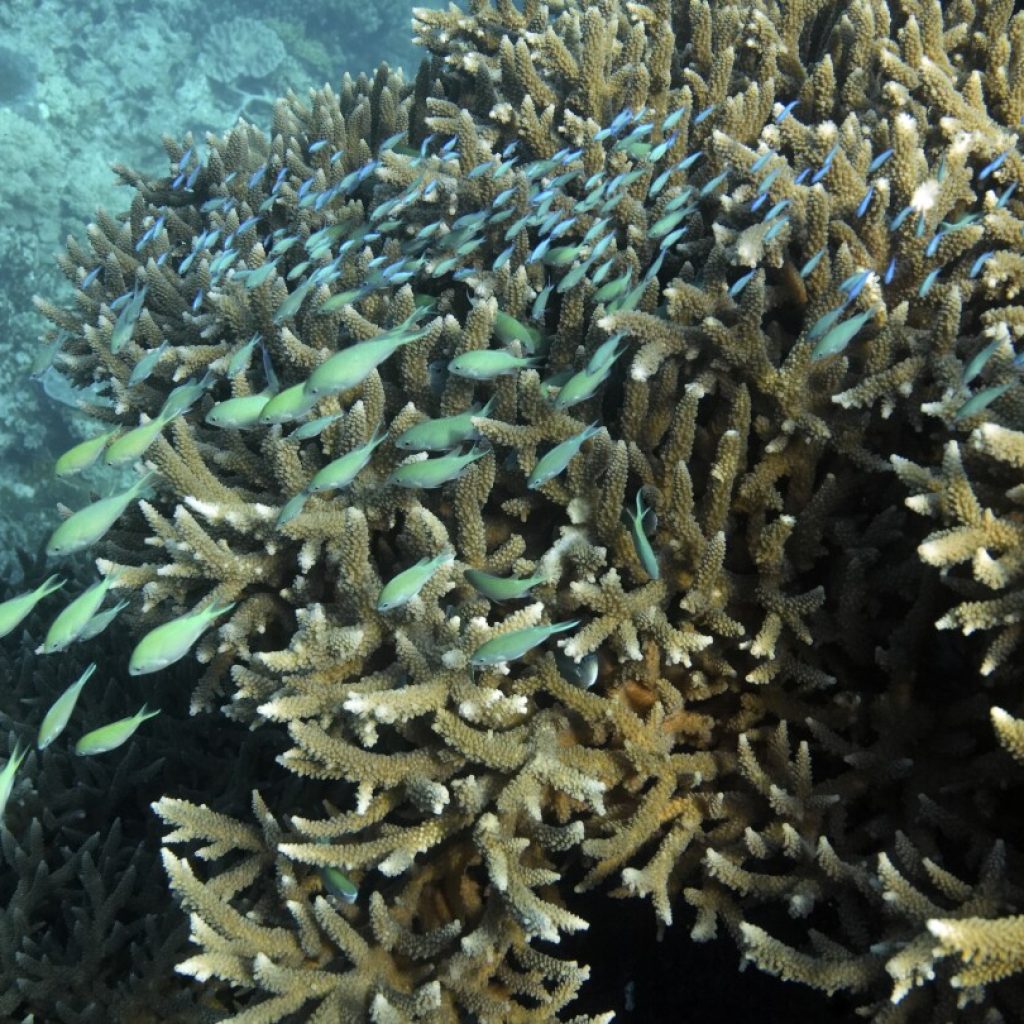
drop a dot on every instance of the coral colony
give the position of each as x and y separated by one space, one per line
581 452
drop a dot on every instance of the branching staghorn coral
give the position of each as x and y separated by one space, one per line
778 253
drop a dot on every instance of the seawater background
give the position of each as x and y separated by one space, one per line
85 84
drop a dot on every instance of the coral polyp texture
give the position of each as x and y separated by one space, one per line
602 456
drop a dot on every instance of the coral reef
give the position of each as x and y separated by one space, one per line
713 310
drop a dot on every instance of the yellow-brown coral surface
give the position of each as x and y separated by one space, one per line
790 549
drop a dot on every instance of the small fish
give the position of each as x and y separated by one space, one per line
352 365
865 202
338 884
799 179
502 588
890 271
167 643
430 473
99 622
641 542
110 736
662 148
980 262
15 609
673 119
7 776
993 165
537 312
704 114
486 364
514 644
761 161
879 160
853 284
574 276
934 242
897 222
291 509
184 396
555 461
508 329
1005 197
717 180
241 357
69 624
776 210
767 181
613 289
808 267
785 111
444 433
133 444
239 413
663 225
286 406
582 674
60 712
126 320
978 361
147 364
740 283
340 472
776 228
262 274
86 526
82 455
403 587
314 427
293 303
836 340
981 401
930 279
826 322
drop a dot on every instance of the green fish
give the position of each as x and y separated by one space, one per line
291 509
110 736
515 644
166 644
508 329
241 358
444 433
982 400
57 717
314 427
14 609
641 543
71 622
401 589
184 396
99 622
502 588
131 446
86 526
613 289
286 406
238 413
429 473
339 473
262 273
487 363
338 884
836 339
83 455
553 462
7 776
147 364
582 385
352 365
126 321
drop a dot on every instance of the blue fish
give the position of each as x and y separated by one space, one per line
761 161
808 267
890 271
786 111
879 160
993 165
927 283
704 114
865 202
740 283
980 262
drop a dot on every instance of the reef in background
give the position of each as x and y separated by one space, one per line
725 300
